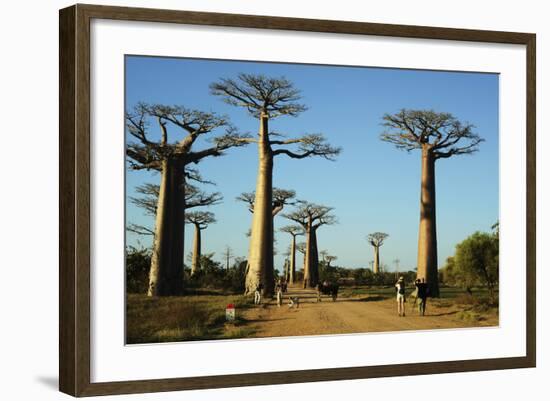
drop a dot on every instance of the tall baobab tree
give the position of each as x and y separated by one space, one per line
294 231
170 158
376 240
311 216
201 221
438 136
227 255
266 98
194 197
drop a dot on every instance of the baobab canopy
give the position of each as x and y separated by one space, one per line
441 132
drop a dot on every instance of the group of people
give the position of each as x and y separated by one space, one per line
420 295
280 288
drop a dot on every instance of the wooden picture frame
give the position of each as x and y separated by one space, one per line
75 207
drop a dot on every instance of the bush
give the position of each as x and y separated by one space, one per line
138 263
213 275
476 260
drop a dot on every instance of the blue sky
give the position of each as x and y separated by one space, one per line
372 186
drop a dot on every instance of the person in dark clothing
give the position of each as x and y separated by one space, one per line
422 295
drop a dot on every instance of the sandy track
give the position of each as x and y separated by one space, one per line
353 315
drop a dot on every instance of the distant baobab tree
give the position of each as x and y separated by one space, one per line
266 98
194 197
396 262
227 255
327 258
170 158
294 231
286 270
311 216
201 221
438 136
281 197
376 240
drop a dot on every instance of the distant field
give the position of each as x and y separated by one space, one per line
389 291
358 309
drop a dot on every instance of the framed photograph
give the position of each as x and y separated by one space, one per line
250 200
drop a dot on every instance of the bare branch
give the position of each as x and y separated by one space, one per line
194 197
310 145
140 230
281 197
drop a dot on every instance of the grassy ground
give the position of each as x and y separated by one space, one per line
201 315
192 317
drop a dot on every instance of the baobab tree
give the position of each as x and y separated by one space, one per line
376 240
201 221
280 198
327 258
266 98
170 158
438 136
310 217
194 197
294 231
227 255
396 262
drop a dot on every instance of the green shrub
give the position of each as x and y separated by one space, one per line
138 263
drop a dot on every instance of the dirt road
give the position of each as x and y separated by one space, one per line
352 315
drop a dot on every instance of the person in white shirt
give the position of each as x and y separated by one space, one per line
400 290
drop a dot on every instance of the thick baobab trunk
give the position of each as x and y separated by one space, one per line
427 238
260 257
292 266
195 261
311 264
314 261
376 267
307 259
166 273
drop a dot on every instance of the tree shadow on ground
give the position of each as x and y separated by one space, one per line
375 298
449 313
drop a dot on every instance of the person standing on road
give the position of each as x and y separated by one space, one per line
400 290
258 294
279 292
422 295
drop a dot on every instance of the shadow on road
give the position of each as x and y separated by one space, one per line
369 299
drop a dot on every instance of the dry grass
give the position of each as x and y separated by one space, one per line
166 319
